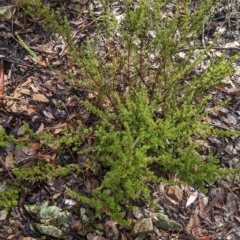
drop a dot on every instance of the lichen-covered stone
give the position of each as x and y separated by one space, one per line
143 225
165 223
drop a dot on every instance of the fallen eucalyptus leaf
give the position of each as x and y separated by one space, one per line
192 198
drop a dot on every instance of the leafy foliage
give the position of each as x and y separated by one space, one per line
43 171
149 102
9 194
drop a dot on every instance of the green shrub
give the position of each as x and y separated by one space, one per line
43 171
9 194
149 100
9 190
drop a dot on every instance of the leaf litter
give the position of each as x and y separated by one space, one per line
34 94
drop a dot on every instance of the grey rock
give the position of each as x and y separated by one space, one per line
49 230
165 223
143 225
53 220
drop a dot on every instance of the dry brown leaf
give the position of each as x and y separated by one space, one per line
193 222
187 190
29 238
41 128
29 80
229 91
30 110
41 61
237 218
17 89
90 236
35 146
231 204
48 115
110 223
26 91
218 205
56 195
165 234
23 153
34 88
123 237
204 238
201 205
13 106
12 236
48 158
40 98
9 161
88 185
56 131
9 103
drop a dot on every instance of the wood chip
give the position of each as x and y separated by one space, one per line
26 91
40 98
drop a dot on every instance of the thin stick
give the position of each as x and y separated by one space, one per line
9 173
9 97
216 48
1 77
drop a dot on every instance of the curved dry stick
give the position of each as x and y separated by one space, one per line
1 77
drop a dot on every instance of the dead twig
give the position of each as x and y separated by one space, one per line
9 173
214 201
216 48
1 77
9 97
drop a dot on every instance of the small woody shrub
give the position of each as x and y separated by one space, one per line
149 102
